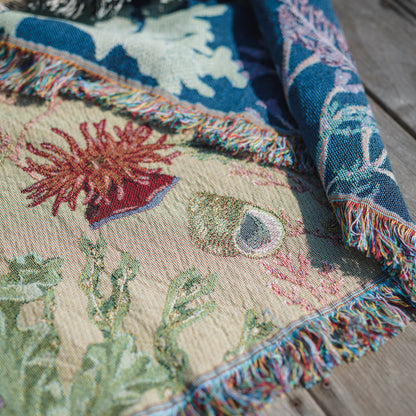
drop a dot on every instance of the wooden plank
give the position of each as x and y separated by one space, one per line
401 148
297 403
383 44
381 383
405 8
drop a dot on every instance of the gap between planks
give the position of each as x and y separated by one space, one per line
383 44
382 382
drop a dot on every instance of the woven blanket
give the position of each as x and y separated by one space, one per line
197 212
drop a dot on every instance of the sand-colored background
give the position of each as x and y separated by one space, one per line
159 239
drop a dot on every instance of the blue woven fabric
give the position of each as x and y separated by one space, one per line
213 52
328 101
269 80
284 64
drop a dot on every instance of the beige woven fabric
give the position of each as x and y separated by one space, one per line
291 280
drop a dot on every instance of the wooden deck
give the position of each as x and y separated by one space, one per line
382 38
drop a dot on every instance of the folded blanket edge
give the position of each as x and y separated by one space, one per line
309 352
305 355
30 72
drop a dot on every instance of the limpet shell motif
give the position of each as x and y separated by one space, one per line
227 226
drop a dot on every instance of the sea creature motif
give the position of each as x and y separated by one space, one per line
226 226
182 41
114 373
109 171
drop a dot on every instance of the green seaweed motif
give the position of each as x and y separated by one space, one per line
181 310
29 381
254 331
114 374
106 314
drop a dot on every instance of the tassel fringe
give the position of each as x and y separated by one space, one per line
46 76
387 240
304 356
307 354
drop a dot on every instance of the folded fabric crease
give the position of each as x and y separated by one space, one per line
315 120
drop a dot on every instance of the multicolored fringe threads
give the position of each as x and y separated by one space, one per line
305 354
36 73
386 239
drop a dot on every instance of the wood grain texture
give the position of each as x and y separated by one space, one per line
381 383
297 403
383 44
401 148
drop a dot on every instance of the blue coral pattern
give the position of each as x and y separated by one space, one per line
289 68
327 99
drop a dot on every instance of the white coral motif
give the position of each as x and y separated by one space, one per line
173 49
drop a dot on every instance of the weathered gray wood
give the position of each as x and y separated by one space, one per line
405 8
383 44
382 383
379 384
401 148
297 403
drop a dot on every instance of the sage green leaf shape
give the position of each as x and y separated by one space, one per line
183 307
254 331
113 376
29 278
227 226
106 314
29 382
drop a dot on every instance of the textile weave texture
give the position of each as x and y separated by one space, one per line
197 210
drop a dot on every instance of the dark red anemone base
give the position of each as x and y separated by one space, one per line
137 197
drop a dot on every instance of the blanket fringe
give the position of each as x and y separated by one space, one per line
308 353
38 73
387 240
305 356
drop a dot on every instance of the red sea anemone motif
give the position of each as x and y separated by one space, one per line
109 171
